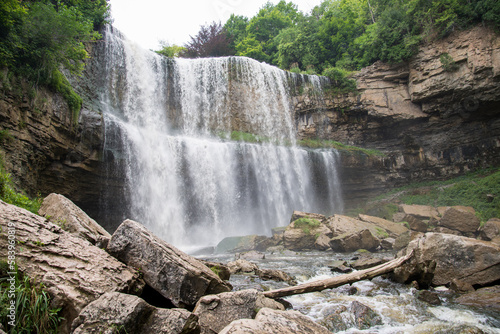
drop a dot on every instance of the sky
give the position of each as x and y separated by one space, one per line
149 21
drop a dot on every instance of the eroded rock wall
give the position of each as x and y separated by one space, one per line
431 121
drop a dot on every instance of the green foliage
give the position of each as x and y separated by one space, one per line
9 195
339 77
32 306
448 63
350 34
170 50
306 224
39 39
319 143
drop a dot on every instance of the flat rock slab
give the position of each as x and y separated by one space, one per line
484 298
274 321
175 275
73 271
116 312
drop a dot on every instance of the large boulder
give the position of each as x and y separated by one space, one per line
73 271
472 261
424 212
217 311
275 321
63 212
461 219
304 230
351 242
122 313
384 226
175 275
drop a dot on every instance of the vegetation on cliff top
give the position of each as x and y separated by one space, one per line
339 34
40 38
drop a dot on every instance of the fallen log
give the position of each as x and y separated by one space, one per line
337 281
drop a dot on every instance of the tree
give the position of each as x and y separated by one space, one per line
236 29
211 41
170 50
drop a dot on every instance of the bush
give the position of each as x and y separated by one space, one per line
339 77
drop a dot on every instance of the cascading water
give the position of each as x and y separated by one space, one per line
169 125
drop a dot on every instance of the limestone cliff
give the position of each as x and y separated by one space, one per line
431 120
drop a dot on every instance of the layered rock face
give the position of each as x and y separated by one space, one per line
431 120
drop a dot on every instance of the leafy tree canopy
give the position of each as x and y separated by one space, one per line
211 41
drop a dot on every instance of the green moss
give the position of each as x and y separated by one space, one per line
382 233
320 143
306 224
61 85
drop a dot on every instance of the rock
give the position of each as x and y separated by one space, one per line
251 255
299 214
175 275
242 266
462 219
118 312
275 275
472 261
73 271
303 232
423 212
337 319
274 321
484 298
392 229
388 243
490 230
402 241
219 269
364 316
416 224
352 242
367 262
429 297
239 244
217 311
64 213
460 286
340 267
322 242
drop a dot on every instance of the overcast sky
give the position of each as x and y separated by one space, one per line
149 21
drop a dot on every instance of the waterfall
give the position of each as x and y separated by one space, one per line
170 126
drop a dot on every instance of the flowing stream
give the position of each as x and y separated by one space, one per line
175 128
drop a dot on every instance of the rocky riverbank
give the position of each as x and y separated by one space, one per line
135 282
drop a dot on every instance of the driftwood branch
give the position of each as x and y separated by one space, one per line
337 281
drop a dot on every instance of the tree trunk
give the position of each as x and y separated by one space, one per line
337 281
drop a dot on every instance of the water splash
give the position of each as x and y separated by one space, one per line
168 122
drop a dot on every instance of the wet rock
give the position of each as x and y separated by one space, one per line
217 311
460 329
219 269
364 316
73 271
490 230
275 321
472 261
488 297
275 275
118 312
461 219
460 286
351 242
175 275
64 213
340 267
429 297
239 244
337 319
367 262
402 241
242 266
250 255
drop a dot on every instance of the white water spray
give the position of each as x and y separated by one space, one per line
170 121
